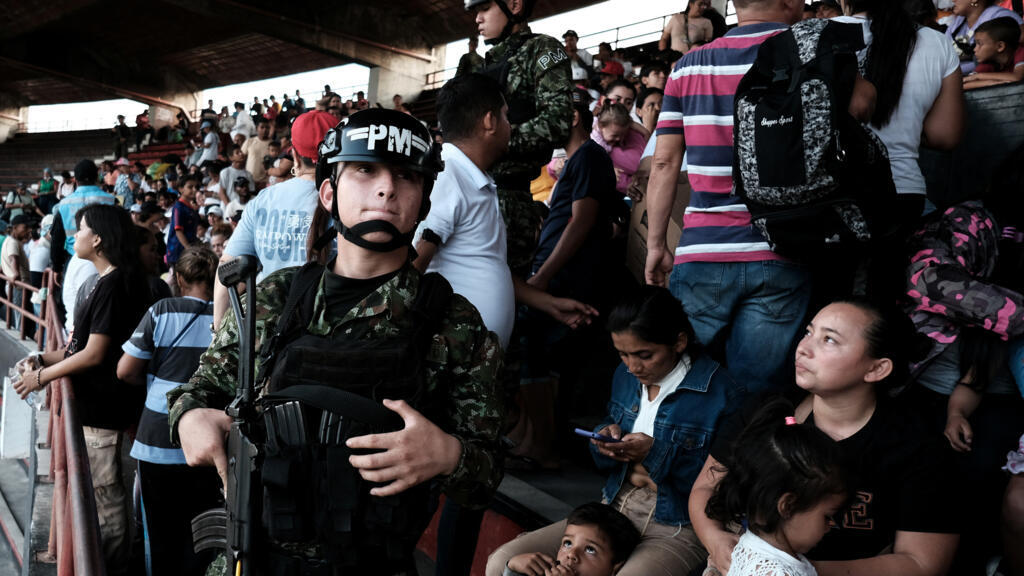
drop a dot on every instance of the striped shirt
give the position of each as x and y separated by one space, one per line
698 104
168 323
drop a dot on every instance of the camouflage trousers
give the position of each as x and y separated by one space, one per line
522 228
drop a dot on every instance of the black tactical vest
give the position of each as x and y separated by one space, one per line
322 391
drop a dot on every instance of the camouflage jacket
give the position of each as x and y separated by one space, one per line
463 353
539 75
951 259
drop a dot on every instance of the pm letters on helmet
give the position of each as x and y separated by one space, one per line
400 140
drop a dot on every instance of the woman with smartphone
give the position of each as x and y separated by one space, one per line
667 400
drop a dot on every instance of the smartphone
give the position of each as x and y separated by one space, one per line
596 436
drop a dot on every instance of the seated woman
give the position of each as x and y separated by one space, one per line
616 132
667 400
901 520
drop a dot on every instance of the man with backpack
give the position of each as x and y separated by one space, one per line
340 493
746 302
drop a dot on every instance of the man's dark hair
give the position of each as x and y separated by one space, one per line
586 119
233 148
622 535
1003 29
262 121
619 83
86 172
653 66
189 178
464 101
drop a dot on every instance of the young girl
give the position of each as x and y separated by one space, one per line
786 483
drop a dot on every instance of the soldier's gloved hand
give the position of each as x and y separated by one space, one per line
202 432
412 455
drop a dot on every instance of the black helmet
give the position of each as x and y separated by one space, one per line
381 136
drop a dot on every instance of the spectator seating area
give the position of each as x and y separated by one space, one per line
23 157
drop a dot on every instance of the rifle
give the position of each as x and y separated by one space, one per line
231 528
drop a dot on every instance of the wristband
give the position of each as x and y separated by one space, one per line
431 236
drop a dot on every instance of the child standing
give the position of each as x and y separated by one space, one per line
184 220
784 486
998 52
598 540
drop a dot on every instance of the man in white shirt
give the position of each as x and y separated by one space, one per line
210 145
463 235
582 62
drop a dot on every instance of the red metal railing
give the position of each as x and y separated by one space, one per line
74 541
24 307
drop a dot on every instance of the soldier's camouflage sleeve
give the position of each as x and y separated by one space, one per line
473 366
549 66
214 383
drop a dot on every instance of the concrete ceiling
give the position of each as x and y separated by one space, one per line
78 50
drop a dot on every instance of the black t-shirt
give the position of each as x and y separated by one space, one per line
110 309
899 480
343 293
589 173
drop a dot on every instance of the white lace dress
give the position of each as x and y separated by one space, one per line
752 556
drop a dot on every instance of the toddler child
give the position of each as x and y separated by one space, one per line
785 485
597 541
998 52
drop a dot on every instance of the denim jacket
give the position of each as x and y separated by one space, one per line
683 431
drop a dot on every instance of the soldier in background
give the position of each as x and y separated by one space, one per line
534 72
470 61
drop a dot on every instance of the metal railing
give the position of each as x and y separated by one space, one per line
24 308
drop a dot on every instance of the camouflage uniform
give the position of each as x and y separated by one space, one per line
464 354
539 77
951 260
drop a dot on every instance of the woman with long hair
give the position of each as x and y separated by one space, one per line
106 405
902 518
920 102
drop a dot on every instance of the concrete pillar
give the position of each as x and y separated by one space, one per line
401 75
10 119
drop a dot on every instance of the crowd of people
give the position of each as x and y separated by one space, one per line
858 409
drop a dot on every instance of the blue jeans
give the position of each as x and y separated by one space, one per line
747 314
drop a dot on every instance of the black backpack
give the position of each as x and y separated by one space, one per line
812 176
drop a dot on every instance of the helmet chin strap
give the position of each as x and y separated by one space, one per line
354 234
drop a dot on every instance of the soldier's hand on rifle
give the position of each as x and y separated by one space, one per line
202 432
415 454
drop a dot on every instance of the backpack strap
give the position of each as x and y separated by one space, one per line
430 307
297 312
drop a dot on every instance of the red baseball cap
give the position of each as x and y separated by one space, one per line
308 131
613 68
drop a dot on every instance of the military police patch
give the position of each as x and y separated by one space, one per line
551 58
